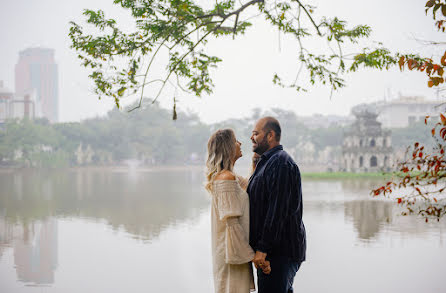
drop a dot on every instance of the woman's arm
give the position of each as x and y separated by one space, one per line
237 248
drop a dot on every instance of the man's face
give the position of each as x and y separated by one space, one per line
259 139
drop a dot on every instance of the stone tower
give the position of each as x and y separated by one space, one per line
366 147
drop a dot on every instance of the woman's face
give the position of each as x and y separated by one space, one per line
238 150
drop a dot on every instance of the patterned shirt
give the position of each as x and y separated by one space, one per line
275 199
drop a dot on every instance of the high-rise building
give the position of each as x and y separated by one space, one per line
36 74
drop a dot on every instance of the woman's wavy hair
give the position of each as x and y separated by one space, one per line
221 152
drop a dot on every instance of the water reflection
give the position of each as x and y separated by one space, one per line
37 208
142 204
35 248
351 197
369 216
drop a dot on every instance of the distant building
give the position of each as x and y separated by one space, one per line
403 111
6 96
325 121
366 147
13 106
36 77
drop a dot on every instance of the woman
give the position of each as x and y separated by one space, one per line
230 216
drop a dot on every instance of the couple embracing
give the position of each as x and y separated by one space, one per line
257 220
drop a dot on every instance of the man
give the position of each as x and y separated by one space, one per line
277 233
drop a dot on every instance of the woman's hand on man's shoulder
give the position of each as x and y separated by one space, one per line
225 175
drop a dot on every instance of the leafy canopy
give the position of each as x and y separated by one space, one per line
121 63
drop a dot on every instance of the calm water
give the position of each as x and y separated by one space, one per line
134 231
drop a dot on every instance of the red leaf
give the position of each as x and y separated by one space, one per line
430 3
420 155
427 220
435 68
443 59
435 199
429 68
433 131
399 200
443 119
401 63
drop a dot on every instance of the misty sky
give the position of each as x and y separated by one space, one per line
243 80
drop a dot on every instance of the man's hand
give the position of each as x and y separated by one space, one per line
259 259
266 268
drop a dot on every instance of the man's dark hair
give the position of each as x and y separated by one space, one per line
274 125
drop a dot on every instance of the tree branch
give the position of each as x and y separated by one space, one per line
309 16
225 16
182 58
147 72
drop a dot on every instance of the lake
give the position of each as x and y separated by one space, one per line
105 230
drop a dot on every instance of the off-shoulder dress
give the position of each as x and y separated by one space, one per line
230 237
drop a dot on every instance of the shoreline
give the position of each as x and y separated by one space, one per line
308 175
107 168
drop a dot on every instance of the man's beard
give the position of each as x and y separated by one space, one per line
262 146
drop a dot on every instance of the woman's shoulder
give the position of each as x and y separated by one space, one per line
225 175
225 182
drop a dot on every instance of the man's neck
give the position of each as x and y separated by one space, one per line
272 146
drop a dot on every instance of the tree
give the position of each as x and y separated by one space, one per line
422 176
121 63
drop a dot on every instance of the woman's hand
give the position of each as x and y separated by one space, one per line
266 267
255 160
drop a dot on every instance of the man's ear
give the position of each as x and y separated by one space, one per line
271 135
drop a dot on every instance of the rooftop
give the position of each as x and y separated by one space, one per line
411 100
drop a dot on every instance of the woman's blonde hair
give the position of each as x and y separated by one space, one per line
221 152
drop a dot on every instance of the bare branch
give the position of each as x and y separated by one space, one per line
182 58
235 25
147 72
225 16
428 42
310 17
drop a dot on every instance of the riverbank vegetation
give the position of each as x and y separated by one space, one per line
149 137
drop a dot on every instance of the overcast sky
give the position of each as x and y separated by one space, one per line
243 80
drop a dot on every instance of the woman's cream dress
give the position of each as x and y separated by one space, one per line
230 237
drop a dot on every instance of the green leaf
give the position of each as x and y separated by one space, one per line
121 91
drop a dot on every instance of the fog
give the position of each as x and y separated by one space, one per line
243 80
